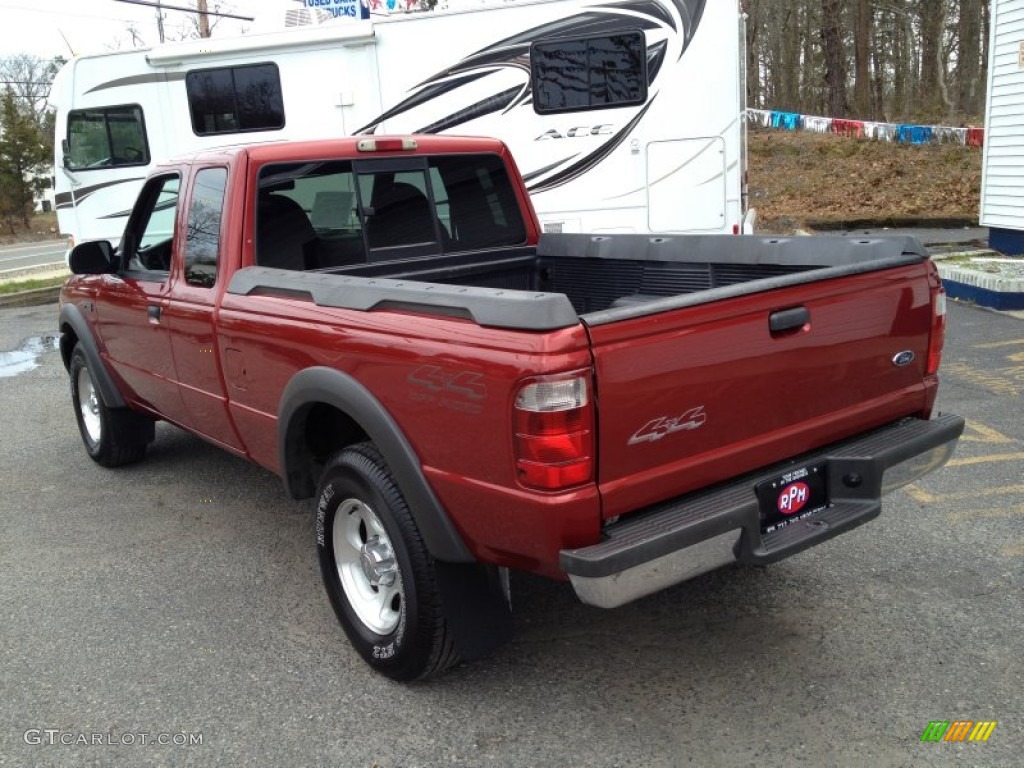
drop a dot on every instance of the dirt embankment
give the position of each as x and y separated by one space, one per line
807 181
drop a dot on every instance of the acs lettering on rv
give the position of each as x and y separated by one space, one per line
604 129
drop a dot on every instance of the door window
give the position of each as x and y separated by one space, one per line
202 238
149 240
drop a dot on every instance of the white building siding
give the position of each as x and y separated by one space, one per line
1002 184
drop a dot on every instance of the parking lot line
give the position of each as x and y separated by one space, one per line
974 514
1001 344
1013 550
926 497
979 433
994 458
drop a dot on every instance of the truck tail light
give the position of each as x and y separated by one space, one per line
553 424
397 144
937 338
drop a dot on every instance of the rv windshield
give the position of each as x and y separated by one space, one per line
106 137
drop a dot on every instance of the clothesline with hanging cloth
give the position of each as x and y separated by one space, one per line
969 136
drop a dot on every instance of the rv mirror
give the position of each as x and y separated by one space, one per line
65 149
94 257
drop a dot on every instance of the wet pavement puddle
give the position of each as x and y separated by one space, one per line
26 356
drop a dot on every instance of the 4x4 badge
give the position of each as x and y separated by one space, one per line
663 426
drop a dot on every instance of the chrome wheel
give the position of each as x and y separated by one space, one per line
367 566
89 405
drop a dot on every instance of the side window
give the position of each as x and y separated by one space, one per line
149 239
203 235
235 99
589 73
106 137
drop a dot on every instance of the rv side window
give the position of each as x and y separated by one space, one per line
106 137
202 238
589 72
235 99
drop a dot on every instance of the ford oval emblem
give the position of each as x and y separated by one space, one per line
903 359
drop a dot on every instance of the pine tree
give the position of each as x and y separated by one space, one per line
24 160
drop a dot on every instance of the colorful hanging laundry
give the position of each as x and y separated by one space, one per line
759 117
789 121
817 124
860 129
948 135
914 134
853 129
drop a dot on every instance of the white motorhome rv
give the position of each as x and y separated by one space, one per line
623 115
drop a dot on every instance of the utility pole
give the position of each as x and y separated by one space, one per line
204 20
160 20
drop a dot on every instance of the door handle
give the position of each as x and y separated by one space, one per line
153 311
789 320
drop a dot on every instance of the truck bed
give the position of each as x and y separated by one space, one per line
598 278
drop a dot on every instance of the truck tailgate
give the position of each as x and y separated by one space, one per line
693 396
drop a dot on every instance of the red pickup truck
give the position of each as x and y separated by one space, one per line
378 321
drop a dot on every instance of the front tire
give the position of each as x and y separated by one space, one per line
112 436
378 574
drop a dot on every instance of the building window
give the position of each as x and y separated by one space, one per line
235 99
106 137
589 73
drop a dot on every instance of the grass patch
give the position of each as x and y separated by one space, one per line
17 286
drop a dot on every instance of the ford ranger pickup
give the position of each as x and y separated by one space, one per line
378 321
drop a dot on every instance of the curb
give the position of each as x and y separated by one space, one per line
964 282
37 297
893 222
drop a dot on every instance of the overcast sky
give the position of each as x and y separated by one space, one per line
35 26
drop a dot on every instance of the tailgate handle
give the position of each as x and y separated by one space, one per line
789 319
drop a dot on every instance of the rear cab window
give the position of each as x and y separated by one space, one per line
334 213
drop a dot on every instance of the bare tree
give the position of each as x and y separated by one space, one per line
968 58
862 59
30 78
835 57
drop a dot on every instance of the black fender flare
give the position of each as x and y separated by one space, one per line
71 315
339 390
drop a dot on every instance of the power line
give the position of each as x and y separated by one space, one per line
185 10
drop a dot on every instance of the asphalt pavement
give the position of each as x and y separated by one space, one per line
178 600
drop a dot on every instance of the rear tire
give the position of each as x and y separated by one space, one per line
379 576
112 436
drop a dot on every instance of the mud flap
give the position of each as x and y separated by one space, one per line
476 606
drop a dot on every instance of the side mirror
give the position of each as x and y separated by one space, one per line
94 257
65 151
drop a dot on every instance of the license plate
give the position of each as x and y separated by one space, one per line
792 496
